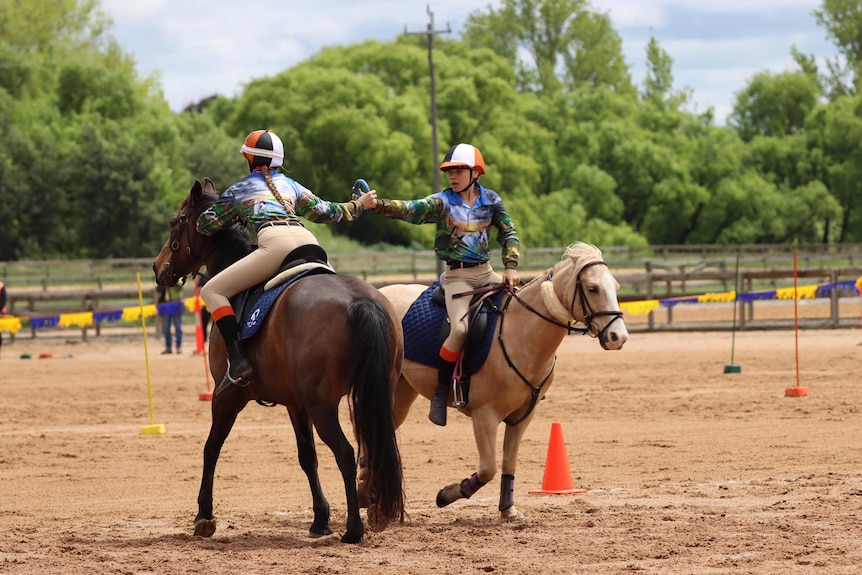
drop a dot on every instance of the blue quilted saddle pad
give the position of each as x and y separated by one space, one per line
422 324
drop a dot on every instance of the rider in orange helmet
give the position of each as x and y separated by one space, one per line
464 214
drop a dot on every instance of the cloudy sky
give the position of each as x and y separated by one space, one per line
204 47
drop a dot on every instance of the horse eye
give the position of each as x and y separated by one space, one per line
593 288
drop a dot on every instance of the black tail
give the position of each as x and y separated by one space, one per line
372 399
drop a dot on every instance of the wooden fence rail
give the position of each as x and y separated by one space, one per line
656 284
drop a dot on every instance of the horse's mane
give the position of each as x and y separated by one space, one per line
584 253
233 241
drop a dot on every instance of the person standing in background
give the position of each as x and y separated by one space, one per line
2 307
172 315
205 313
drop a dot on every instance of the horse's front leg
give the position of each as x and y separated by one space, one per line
224 412
329 429
308 462
485 424
511 443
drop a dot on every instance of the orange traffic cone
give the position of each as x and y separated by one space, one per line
558 478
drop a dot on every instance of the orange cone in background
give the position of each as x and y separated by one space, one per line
558 477
199 328
200 349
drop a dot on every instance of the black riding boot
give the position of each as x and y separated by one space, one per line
239 368
441 396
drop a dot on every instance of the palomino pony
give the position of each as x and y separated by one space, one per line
326 336
519 369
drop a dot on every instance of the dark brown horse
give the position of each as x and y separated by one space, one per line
325 337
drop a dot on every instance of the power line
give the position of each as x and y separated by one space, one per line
429 34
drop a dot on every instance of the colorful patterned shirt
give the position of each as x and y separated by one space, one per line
251 199
462 231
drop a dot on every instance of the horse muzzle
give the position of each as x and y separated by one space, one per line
614 335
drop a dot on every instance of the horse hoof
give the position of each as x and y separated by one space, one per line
316 532
352 538
205 527
512 515
449 494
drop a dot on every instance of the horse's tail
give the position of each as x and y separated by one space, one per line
372 400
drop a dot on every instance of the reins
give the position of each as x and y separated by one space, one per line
578 297
175 247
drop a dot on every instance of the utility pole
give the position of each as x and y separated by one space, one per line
429 34
429 37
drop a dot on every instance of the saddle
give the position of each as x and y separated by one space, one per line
426 326
477 324
252 305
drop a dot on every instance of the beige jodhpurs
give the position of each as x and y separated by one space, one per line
274 243
458 281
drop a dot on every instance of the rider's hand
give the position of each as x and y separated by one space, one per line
511 278
368 200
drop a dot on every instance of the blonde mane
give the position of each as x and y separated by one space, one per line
584 253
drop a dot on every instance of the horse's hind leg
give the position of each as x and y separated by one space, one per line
329 430
224 416
308 463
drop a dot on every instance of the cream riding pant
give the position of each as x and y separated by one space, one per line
274 243
458 281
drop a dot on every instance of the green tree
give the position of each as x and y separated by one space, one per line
834 133
570 45
842 20
774 104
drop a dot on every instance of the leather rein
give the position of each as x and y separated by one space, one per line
578 296
176 243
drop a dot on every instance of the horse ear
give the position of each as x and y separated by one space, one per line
209 185
197 190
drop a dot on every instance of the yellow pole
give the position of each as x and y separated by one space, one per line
153 428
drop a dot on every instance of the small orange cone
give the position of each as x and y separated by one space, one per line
558 478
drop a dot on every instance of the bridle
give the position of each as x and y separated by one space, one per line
175 242
579 298
589 314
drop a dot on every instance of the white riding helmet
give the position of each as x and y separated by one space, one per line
263 148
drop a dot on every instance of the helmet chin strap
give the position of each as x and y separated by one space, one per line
470 185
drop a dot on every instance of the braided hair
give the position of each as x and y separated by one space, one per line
271 185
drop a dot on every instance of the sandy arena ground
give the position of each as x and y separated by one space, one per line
688 470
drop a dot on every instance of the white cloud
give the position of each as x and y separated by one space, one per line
203 47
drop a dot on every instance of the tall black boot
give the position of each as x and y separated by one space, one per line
440 401
239 368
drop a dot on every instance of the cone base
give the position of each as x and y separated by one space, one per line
206 396
797 392
557 491
154 429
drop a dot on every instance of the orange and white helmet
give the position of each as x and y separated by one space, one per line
464 156
263 148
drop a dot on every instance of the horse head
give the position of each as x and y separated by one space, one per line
581 289
185 250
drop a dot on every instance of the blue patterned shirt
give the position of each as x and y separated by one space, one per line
463 232
251 200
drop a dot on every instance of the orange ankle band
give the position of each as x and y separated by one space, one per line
449 355
221 312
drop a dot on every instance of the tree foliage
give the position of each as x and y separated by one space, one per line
94 162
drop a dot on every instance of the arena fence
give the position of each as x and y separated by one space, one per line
661 287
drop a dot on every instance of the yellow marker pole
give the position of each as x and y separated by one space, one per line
153 428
